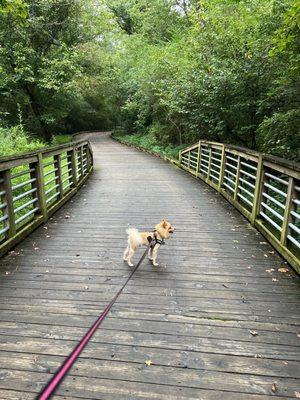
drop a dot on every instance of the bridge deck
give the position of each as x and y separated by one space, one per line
192 316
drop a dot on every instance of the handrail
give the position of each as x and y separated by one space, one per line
264 188
34 185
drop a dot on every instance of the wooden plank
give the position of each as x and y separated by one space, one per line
191 316
99 388
156 375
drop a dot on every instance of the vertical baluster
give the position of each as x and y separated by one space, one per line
198 157
180 157
39 184
236 189
189 158
72 157
209 163
259 183
58 180
87 158
222 168
7 198
289 205
81 160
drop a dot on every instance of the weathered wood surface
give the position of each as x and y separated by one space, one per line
191 316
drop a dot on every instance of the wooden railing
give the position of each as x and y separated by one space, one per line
265 189
34 185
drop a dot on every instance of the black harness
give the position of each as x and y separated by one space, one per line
155 240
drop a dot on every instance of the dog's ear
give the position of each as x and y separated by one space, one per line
164 223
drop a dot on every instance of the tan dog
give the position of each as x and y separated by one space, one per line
137 239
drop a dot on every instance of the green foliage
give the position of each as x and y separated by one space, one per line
15 140
42 66
279 134
174 71
150 143
224 72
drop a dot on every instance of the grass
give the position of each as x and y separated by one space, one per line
15 140
150 143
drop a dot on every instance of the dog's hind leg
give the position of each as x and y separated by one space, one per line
126 252
130 254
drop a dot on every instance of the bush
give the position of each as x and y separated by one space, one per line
279 135
149 142
15 140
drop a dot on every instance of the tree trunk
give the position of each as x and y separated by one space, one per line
45 133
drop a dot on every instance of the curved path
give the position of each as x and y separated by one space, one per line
217 319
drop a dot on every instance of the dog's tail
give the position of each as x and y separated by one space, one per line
134 238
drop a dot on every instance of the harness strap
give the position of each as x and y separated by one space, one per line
59 375
157 241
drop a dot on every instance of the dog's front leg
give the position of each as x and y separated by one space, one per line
154 255
150 254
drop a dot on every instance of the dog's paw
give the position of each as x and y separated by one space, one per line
130 264
155 264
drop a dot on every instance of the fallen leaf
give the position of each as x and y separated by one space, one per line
67 216
47 271
274 280
235 241
148 362
272 252
283 270
270 270
86 287
262 242
253 333
298 334
7 273
297 394
266 255
274 387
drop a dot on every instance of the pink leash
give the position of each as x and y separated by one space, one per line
59 375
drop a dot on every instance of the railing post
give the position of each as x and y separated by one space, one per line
198 157
222 168
7 198
189 159
258 190
39 184
236 188
72 157
287 210
87 158
209 163
58 180
81 160
180 156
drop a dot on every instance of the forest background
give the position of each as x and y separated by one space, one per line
160 74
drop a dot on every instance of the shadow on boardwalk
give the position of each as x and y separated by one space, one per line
193 316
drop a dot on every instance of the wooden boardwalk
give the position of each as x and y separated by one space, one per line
192 317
